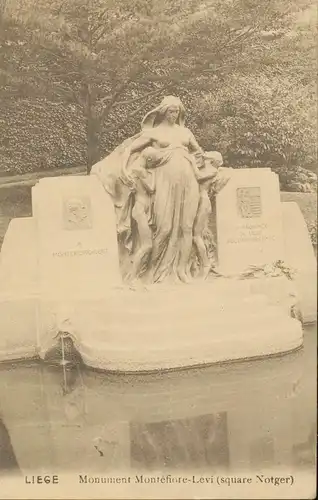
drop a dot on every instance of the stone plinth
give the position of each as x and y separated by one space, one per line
172 327
76 236
249 220
60 272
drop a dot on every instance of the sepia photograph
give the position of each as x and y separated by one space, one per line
158 249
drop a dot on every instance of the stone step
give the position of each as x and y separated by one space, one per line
166 329
266 338
229 289
152 306
170 311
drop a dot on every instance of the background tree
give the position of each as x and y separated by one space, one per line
88 70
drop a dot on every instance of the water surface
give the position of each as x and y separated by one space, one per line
233 417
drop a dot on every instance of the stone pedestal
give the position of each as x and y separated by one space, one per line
173 327
76 237
249 221
60 273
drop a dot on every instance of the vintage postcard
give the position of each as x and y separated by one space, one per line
158 249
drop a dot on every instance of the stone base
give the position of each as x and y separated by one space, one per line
116 328
157 328
18 326
242 341
168 328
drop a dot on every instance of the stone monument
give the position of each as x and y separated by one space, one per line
123 266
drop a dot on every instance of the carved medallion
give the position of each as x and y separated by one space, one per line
249 202
77 213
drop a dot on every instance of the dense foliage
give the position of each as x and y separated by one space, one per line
77 76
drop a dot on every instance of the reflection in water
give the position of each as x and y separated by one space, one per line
262 452
304 453
8 461
251 414
183 443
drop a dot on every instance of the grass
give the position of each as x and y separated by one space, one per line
14 202
30 179
307 203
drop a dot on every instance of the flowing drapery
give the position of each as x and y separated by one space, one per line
173 205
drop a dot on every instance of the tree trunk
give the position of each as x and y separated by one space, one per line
92 142
92 131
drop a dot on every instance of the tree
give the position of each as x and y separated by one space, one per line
266 115
113 58
260 121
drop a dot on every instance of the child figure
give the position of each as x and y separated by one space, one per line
207 179
143 188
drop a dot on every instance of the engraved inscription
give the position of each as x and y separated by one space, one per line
249 202
246 238
249 232
77 213
79 253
